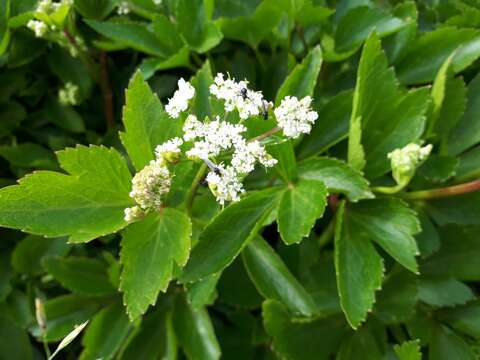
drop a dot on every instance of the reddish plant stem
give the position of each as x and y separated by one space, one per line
104 82
266 134
443 192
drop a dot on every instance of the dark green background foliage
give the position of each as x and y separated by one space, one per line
314 262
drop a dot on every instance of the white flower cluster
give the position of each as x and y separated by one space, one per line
123 8
406 160
68 95
295 117
179 102
49 6
216 139
238 96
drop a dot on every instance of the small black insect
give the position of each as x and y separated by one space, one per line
264 110
243 93
212 167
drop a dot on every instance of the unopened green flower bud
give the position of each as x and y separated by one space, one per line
69 94
405 161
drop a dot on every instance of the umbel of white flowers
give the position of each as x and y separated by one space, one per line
205 141
405 161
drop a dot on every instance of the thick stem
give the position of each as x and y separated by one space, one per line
104 82
442 192
193 189
388 189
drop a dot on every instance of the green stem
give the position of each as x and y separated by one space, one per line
46 349
388 189
327 234
193 189
443 192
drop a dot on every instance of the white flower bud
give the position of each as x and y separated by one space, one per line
225 184
69 94
133 213
405 161
38 27
123 8
169 151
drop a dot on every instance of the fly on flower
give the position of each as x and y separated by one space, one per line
216 138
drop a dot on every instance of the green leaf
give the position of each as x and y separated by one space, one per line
428 239
303 78
274 280
390 223
146 123
396 301
358 23
28 254
446 345
65 117
150 248
150 66
408 350
438 168
223 239
85 204
252 28
301 205
431 49
69 338
197 30
94 9
467 131
457 259
136 35
363 344
358 267
378 104
29 155
318 339
80 274
464 319
167 34
195 331
330 128
287 165
444 292
461 209
337 176
202 292
64 313
106 333
155 337
201 82
14 340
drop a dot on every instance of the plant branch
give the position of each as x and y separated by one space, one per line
266 134
193 189
443 192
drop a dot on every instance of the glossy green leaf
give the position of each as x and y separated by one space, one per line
337 176
461 209
106 333
408 350
358 267
431 49
318 339
14 341
456 258
465 319
445 344
223 239
146 123
444 292
301 205
136 35
193 23
201 82
273 279
358 23
203 292
195 331
84 205
150 248
80 274
390 223
467 131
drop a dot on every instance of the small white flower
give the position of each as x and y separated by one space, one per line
133 213
238 96
295 117
46 6
38 27
68 95
247 154
169 151
179 102
158 2
149 184
192 128
123 8
225 184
